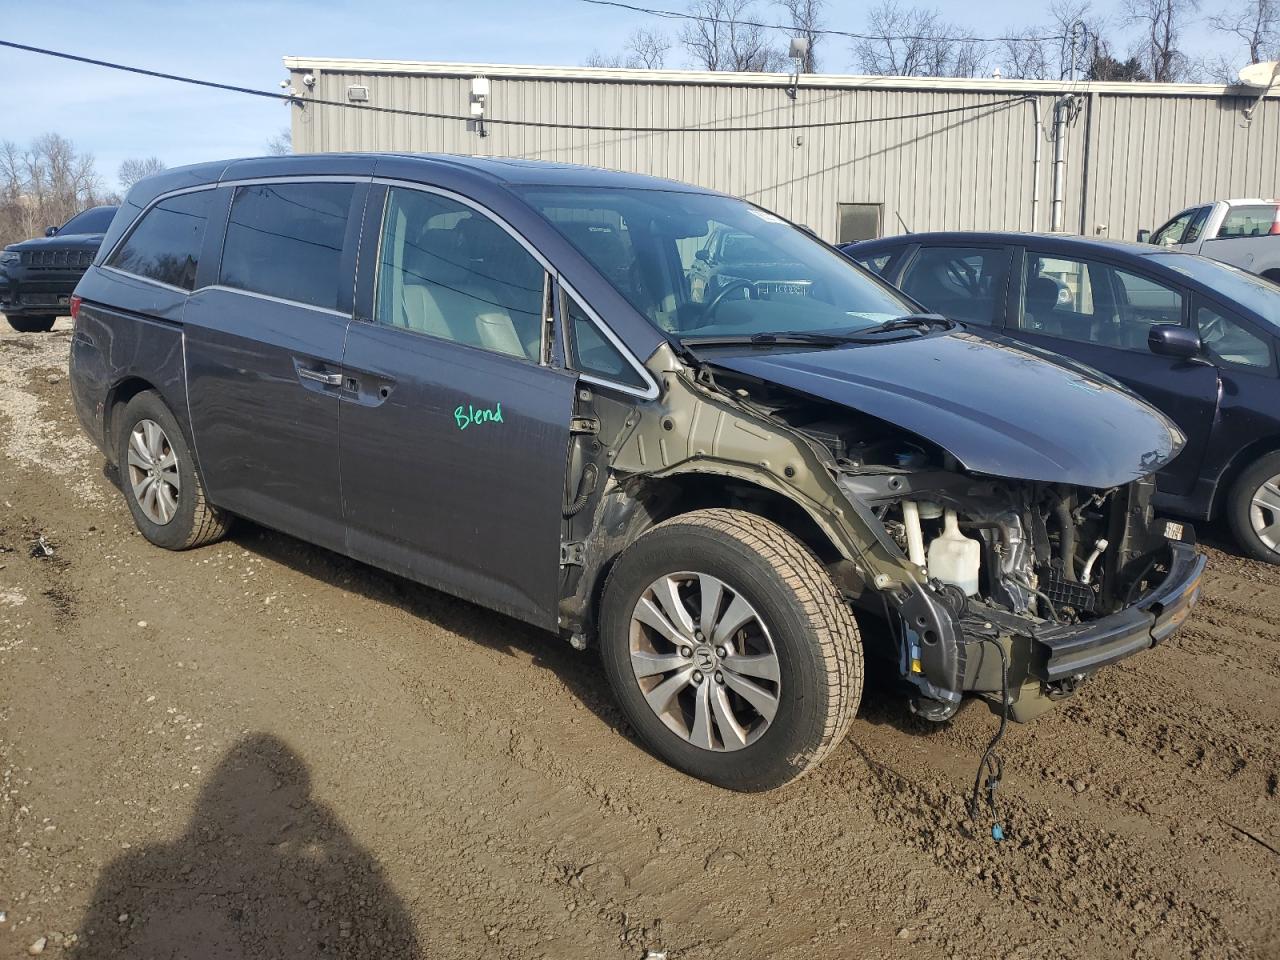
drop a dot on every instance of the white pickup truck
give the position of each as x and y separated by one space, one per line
1243 233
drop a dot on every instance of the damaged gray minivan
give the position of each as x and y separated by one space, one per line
636 414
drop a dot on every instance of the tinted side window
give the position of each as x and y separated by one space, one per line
285 240
451 272
165 243
966 283
1171 233
1228 340
1196 226
877 263
1094 302
591 352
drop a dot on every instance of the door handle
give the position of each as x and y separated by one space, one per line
319 376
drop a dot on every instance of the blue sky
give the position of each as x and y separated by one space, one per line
114 115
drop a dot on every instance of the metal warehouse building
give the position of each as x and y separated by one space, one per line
850 156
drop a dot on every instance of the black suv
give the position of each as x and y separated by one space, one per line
496 377
38 276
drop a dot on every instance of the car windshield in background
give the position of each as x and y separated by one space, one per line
1249 290
700 265
90 221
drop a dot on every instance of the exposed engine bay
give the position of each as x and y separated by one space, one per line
1022 560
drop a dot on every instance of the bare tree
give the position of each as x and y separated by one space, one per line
806 23
281 145
1047 51
648 48
645 50
1162 23
610 61
915 42
135 168
1257 23
721 39
44 185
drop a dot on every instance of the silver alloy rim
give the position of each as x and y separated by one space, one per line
1264 513
704 660
153 472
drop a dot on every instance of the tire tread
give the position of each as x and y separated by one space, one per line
830 620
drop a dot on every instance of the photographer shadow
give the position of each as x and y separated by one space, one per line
263 870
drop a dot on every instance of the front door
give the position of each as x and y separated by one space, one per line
264 351
454 426
1101 315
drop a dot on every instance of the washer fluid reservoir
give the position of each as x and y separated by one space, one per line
955 558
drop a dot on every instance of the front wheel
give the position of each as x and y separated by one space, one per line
1253 509
730 650
31 324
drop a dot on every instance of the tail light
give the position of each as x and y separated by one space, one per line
75 307
1275 224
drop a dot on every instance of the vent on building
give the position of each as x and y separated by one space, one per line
860 221
357 94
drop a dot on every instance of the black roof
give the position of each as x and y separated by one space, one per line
496 171
1062 241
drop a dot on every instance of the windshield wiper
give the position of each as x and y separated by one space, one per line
781 338
913 321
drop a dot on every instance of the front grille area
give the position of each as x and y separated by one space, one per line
57 259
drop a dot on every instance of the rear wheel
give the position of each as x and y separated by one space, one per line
159 478
1253 509
730 650
42 324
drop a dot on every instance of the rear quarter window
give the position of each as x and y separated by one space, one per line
165 244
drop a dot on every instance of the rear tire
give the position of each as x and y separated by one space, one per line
31 324
159 478
1253 509
798 654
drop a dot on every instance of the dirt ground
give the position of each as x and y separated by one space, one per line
260 749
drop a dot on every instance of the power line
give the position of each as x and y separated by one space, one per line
676 15
538 124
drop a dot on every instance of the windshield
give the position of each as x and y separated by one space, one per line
699 265
1247 289
95 220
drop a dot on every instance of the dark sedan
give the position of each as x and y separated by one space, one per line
1194 337
37 276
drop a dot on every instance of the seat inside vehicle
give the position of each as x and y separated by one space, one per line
459 285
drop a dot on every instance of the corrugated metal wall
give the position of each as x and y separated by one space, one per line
1133 159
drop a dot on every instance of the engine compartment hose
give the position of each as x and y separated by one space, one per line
1098 549
1067 534
915 536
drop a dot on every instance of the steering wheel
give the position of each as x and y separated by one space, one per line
721 295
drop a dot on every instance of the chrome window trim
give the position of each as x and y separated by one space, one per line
650 393
155 283
272 299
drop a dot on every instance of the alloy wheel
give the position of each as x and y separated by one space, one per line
704 660
153 472
1264 513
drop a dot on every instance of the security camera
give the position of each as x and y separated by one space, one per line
284 84
309 79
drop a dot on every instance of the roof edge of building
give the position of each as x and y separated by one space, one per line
724 78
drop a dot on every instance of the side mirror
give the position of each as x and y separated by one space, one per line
1144 236
1171 340
50 231
702 255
